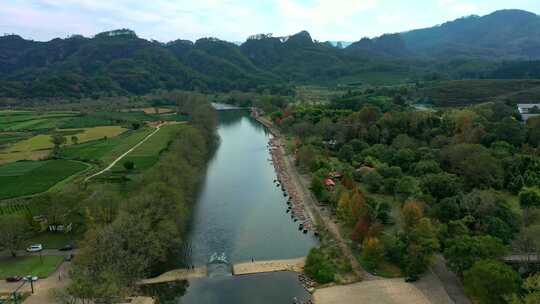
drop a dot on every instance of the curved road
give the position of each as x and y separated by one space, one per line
124 155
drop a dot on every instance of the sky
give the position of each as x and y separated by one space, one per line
235 20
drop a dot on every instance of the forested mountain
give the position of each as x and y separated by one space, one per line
508 34
118 62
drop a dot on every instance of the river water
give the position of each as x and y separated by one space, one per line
241 213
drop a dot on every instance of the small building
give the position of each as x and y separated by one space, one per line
528 110
336 175
329 183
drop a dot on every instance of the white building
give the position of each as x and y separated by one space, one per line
526 110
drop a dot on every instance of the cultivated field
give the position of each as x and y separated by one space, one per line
146 155
101 137
39 146
31 177
106 150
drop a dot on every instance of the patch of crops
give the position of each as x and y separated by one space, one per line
14 208
26 178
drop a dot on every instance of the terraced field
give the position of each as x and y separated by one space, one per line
30 177
32 121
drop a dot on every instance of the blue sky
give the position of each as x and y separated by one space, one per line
235 20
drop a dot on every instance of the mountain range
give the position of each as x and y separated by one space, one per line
497 45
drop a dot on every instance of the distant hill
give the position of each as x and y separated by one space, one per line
500 45
508 34
504 34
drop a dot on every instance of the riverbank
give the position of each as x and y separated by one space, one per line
318 213
177 275
296 265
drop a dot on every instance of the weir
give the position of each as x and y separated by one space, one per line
240 218
222 268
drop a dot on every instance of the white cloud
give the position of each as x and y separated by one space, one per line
323 12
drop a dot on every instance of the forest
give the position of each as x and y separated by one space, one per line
412 184
127 226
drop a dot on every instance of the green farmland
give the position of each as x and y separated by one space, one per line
106 150
147 154
31 177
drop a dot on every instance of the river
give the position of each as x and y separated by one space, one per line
241 213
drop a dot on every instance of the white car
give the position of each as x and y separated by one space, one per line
30 278
35 248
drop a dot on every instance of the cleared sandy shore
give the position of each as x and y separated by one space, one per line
177 275
296 265
387 291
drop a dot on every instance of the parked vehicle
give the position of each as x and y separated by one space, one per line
13 279
67 247
30 278
35 248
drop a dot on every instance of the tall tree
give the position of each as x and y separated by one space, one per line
14 230
58 141
491 282
462 252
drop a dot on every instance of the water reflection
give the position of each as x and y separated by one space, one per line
241 214
166 293
267 288
240 211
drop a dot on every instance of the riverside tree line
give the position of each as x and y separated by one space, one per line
462 183
130 229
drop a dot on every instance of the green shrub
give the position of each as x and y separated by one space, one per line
319 267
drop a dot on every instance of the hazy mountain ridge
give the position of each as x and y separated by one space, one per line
119 62
507 34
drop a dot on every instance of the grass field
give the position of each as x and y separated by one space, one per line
108 149
37 147
49 240
10 137
6 157
41 267
383 269
146 155
95 119
43 141
30 177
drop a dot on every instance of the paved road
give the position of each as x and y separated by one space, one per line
450 281
124 155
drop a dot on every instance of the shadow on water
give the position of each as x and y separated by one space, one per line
166 293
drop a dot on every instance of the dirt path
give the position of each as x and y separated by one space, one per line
450 281
124 155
